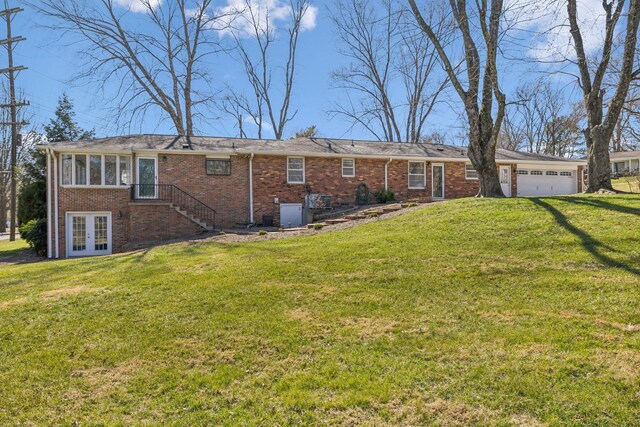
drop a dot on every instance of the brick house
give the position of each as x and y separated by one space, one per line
114 194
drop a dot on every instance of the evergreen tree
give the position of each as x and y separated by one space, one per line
32 197
63 127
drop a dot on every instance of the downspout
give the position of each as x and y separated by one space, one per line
386 166
251 189
55 201
49 225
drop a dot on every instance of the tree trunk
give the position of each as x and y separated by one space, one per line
483 160
599 177
490 182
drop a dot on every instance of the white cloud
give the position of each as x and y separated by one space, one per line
549 21
239 17
138 6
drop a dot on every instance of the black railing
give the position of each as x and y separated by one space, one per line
178 197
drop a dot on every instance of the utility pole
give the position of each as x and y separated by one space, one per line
12 70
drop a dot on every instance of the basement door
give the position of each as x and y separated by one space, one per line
290 215
88 234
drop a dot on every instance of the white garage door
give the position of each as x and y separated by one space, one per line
546 182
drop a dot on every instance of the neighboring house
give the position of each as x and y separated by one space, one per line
624 162
114 194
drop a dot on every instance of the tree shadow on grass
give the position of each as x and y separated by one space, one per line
600 203
592 245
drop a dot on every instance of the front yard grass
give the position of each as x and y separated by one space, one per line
628 184
10 249
471 312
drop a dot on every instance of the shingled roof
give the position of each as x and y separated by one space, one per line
298 146
625 155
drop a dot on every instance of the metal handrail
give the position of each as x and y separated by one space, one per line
177 196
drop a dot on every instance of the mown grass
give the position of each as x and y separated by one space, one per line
470 312
628 184
10 249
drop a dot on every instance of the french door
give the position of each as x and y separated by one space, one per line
89 234
147 178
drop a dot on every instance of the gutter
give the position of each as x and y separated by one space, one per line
386 167
251 188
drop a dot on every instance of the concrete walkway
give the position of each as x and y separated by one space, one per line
5 236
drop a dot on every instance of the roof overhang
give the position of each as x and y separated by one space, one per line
238 151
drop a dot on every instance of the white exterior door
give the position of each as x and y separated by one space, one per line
505 180
147 178
540 182
89 234
290 215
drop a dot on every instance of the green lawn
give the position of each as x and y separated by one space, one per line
472 312
629 184
10 249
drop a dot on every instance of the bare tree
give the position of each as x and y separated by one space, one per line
541 120
256 36
626 135
386 52
601 124
482 83
157 63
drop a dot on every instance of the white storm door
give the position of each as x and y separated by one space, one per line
147 178
505 180
437 184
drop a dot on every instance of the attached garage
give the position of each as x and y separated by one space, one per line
538 181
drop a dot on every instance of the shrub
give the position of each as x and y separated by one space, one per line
318 226
384 195
262 232
35 233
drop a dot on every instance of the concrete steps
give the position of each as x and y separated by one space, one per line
191 217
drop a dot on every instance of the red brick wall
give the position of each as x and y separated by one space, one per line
134 225
581 184
96 200
151 223
227 195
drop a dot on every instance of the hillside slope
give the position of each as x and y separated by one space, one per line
483 312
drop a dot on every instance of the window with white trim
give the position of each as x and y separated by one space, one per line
295 170
95 170
536 173
566 173
522 172
470 172
552 173
348 168
417 175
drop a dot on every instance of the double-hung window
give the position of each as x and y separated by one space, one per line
348 168
417 175
295 170
95 170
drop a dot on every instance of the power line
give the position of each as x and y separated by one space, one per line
12 70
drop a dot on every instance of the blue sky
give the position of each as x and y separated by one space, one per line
53 62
